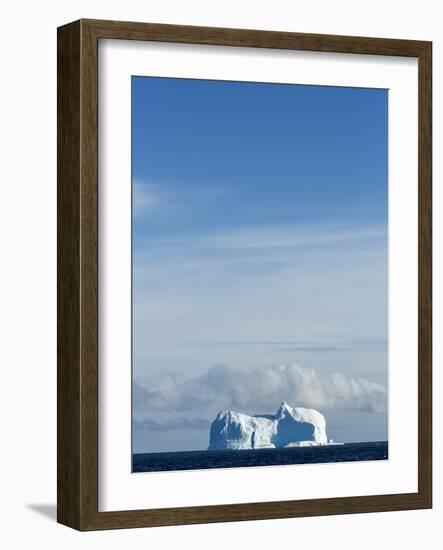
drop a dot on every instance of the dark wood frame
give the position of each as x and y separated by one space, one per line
77 455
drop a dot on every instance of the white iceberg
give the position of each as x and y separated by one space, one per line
289 427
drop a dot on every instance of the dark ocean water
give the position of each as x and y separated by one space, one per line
198 460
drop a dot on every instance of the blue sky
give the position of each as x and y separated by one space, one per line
259 243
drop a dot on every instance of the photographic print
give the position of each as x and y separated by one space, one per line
244 274
259 274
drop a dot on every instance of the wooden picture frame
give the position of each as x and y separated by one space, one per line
77 456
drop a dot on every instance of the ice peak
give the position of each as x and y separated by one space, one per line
284 408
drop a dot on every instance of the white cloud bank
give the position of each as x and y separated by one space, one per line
259 390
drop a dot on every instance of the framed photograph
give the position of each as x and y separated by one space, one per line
244 275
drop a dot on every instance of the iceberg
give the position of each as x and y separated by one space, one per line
289 427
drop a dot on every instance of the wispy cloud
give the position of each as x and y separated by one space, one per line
160 199
342 346
263 249
275 236
289 236
298 299
145 199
